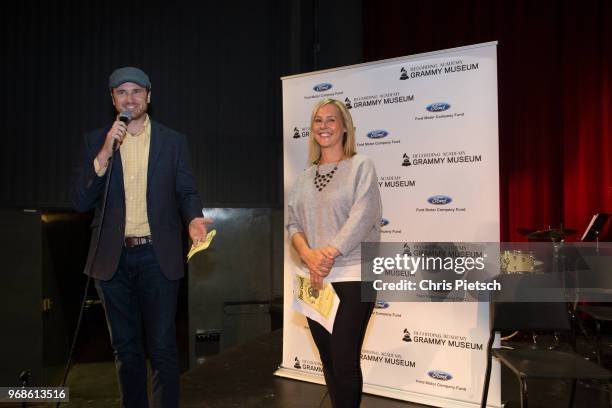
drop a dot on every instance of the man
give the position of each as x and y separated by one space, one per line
139 258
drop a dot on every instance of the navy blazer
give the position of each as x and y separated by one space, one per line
171 198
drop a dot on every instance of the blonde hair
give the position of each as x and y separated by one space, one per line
348 141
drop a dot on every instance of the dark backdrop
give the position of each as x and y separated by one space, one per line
215 71
554 65
57 57
215 68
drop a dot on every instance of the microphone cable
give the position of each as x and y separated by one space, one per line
87 271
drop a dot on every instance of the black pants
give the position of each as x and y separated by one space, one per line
340 351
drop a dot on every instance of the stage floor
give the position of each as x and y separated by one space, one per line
243 377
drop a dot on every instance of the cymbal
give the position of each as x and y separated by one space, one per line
525 231
553 234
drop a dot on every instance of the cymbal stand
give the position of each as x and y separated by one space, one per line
557 269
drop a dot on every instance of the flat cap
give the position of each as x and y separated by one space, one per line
128 74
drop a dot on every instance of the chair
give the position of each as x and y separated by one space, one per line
594 284
535 302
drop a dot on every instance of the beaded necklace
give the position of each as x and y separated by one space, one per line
321 180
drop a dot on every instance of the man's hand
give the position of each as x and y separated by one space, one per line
117 132
198 229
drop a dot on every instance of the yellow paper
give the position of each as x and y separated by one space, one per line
202 245
319 299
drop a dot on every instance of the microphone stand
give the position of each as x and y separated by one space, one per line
87 271
24 377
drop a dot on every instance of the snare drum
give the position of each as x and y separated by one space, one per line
517 262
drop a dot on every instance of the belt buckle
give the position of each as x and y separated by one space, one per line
131 242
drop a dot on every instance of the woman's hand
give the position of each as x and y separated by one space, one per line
329 253
317 261
316 280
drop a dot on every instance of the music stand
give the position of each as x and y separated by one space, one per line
595 226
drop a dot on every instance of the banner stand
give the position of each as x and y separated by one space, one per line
381 391
430 124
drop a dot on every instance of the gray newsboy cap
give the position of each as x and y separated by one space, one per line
128 74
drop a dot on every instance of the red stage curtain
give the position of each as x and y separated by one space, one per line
555 85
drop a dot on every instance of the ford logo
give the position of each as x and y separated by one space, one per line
438 107
440 375
439 200
377 134
381 304
322 87
384 222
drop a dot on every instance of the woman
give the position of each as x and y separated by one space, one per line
334 206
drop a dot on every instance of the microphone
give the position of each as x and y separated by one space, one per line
124 117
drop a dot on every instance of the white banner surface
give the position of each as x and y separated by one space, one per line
429 122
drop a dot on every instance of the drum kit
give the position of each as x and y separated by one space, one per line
550 234
520 261
523 262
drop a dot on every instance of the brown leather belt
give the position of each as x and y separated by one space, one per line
130 242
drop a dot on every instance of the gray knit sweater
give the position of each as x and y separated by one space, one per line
345 213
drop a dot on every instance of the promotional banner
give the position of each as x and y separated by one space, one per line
429 123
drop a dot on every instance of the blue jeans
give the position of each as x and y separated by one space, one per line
140 297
